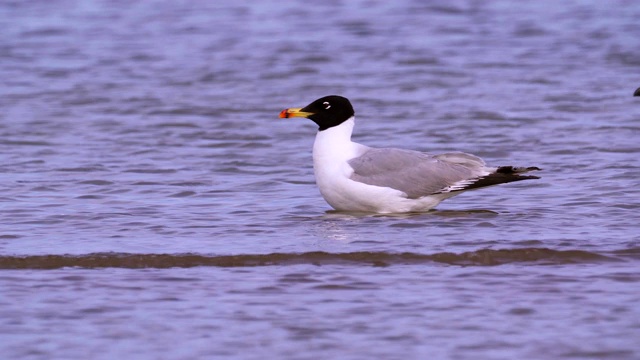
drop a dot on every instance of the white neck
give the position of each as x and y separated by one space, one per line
335 142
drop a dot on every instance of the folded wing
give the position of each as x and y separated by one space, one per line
418 174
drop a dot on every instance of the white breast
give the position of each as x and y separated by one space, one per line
332 150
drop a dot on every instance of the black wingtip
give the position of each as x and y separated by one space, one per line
637 93
516 170
503 175
526 177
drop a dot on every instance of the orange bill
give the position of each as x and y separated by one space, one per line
294 112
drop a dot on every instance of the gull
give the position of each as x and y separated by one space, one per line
357 178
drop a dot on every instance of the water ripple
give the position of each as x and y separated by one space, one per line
484 257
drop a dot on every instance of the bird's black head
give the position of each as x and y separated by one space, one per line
637 93
326 112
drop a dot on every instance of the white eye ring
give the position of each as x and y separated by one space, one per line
326 104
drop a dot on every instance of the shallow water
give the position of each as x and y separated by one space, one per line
153 205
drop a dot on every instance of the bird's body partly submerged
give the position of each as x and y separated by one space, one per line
355 177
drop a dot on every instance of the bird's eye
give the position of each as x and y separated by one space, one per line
326 105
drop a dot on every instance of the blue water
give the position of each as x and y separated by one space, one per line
129 130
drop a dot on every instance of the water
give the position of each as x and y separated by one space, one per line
152 205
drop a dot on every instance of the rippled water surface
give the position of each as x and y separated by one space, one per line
153 206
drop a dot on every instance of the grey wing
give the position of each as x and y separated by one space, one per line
414 173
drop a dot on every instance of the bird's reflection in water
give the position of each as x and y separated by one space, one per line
353 226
